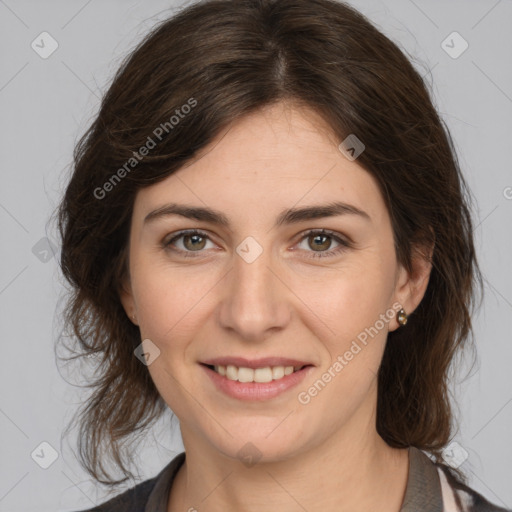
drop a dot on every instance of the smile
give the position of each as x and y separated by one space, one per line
268 380
244 374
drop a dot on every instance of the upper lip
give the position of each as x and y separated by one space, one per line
255 363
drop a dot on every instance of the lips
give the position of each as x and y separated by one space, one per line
259 379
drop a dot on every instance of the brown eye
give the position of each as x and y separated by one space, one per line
187 243
194 242
319 243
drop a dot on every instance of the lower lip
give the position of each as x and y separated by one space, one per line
256 390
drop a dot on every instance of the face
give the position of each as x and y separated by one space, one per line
254 288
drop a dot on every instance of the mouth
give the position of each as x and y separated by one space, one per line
256 379
263 374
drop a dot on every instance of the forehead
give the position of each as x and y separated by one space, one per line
274 158
282 133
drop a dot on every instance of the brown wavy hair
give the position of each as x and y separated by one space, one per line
226 59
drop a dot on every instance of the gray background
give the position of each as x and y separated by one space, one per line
47 103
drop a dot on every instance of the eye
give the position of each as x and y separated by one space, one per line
194 241
321 239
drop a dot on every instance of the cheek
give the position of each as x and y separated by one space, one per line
351 303
171 302
171 310
351 298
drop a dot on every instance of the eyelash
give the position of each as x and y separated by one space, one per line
316 254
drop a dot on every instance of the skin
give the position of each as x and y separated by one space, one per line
326 454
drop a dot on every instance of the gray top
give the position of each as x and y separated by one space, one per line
423 491
430 488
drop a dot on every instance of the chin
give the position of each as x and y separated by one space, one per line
252 444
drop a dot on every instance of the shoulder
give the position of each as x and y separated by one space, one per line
132 500
150 494
458 496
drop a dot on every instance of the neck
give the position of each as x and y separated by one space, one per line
356 472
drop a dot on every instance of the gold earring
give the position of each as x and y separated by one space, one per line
402 317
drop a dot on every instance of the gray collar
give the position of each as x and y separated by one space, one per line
159 497
423 491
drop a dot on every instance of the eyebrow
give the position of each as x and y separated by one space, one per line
290 216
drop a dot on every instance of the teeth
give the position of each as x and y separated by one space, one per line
243 374
232 372
278 372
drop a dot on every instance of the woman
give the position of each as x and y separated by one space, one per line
267 232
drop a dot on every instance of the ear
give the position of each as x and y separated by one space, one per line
126 297
410 286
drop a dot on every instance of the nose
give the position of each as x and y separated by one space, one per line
255 303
